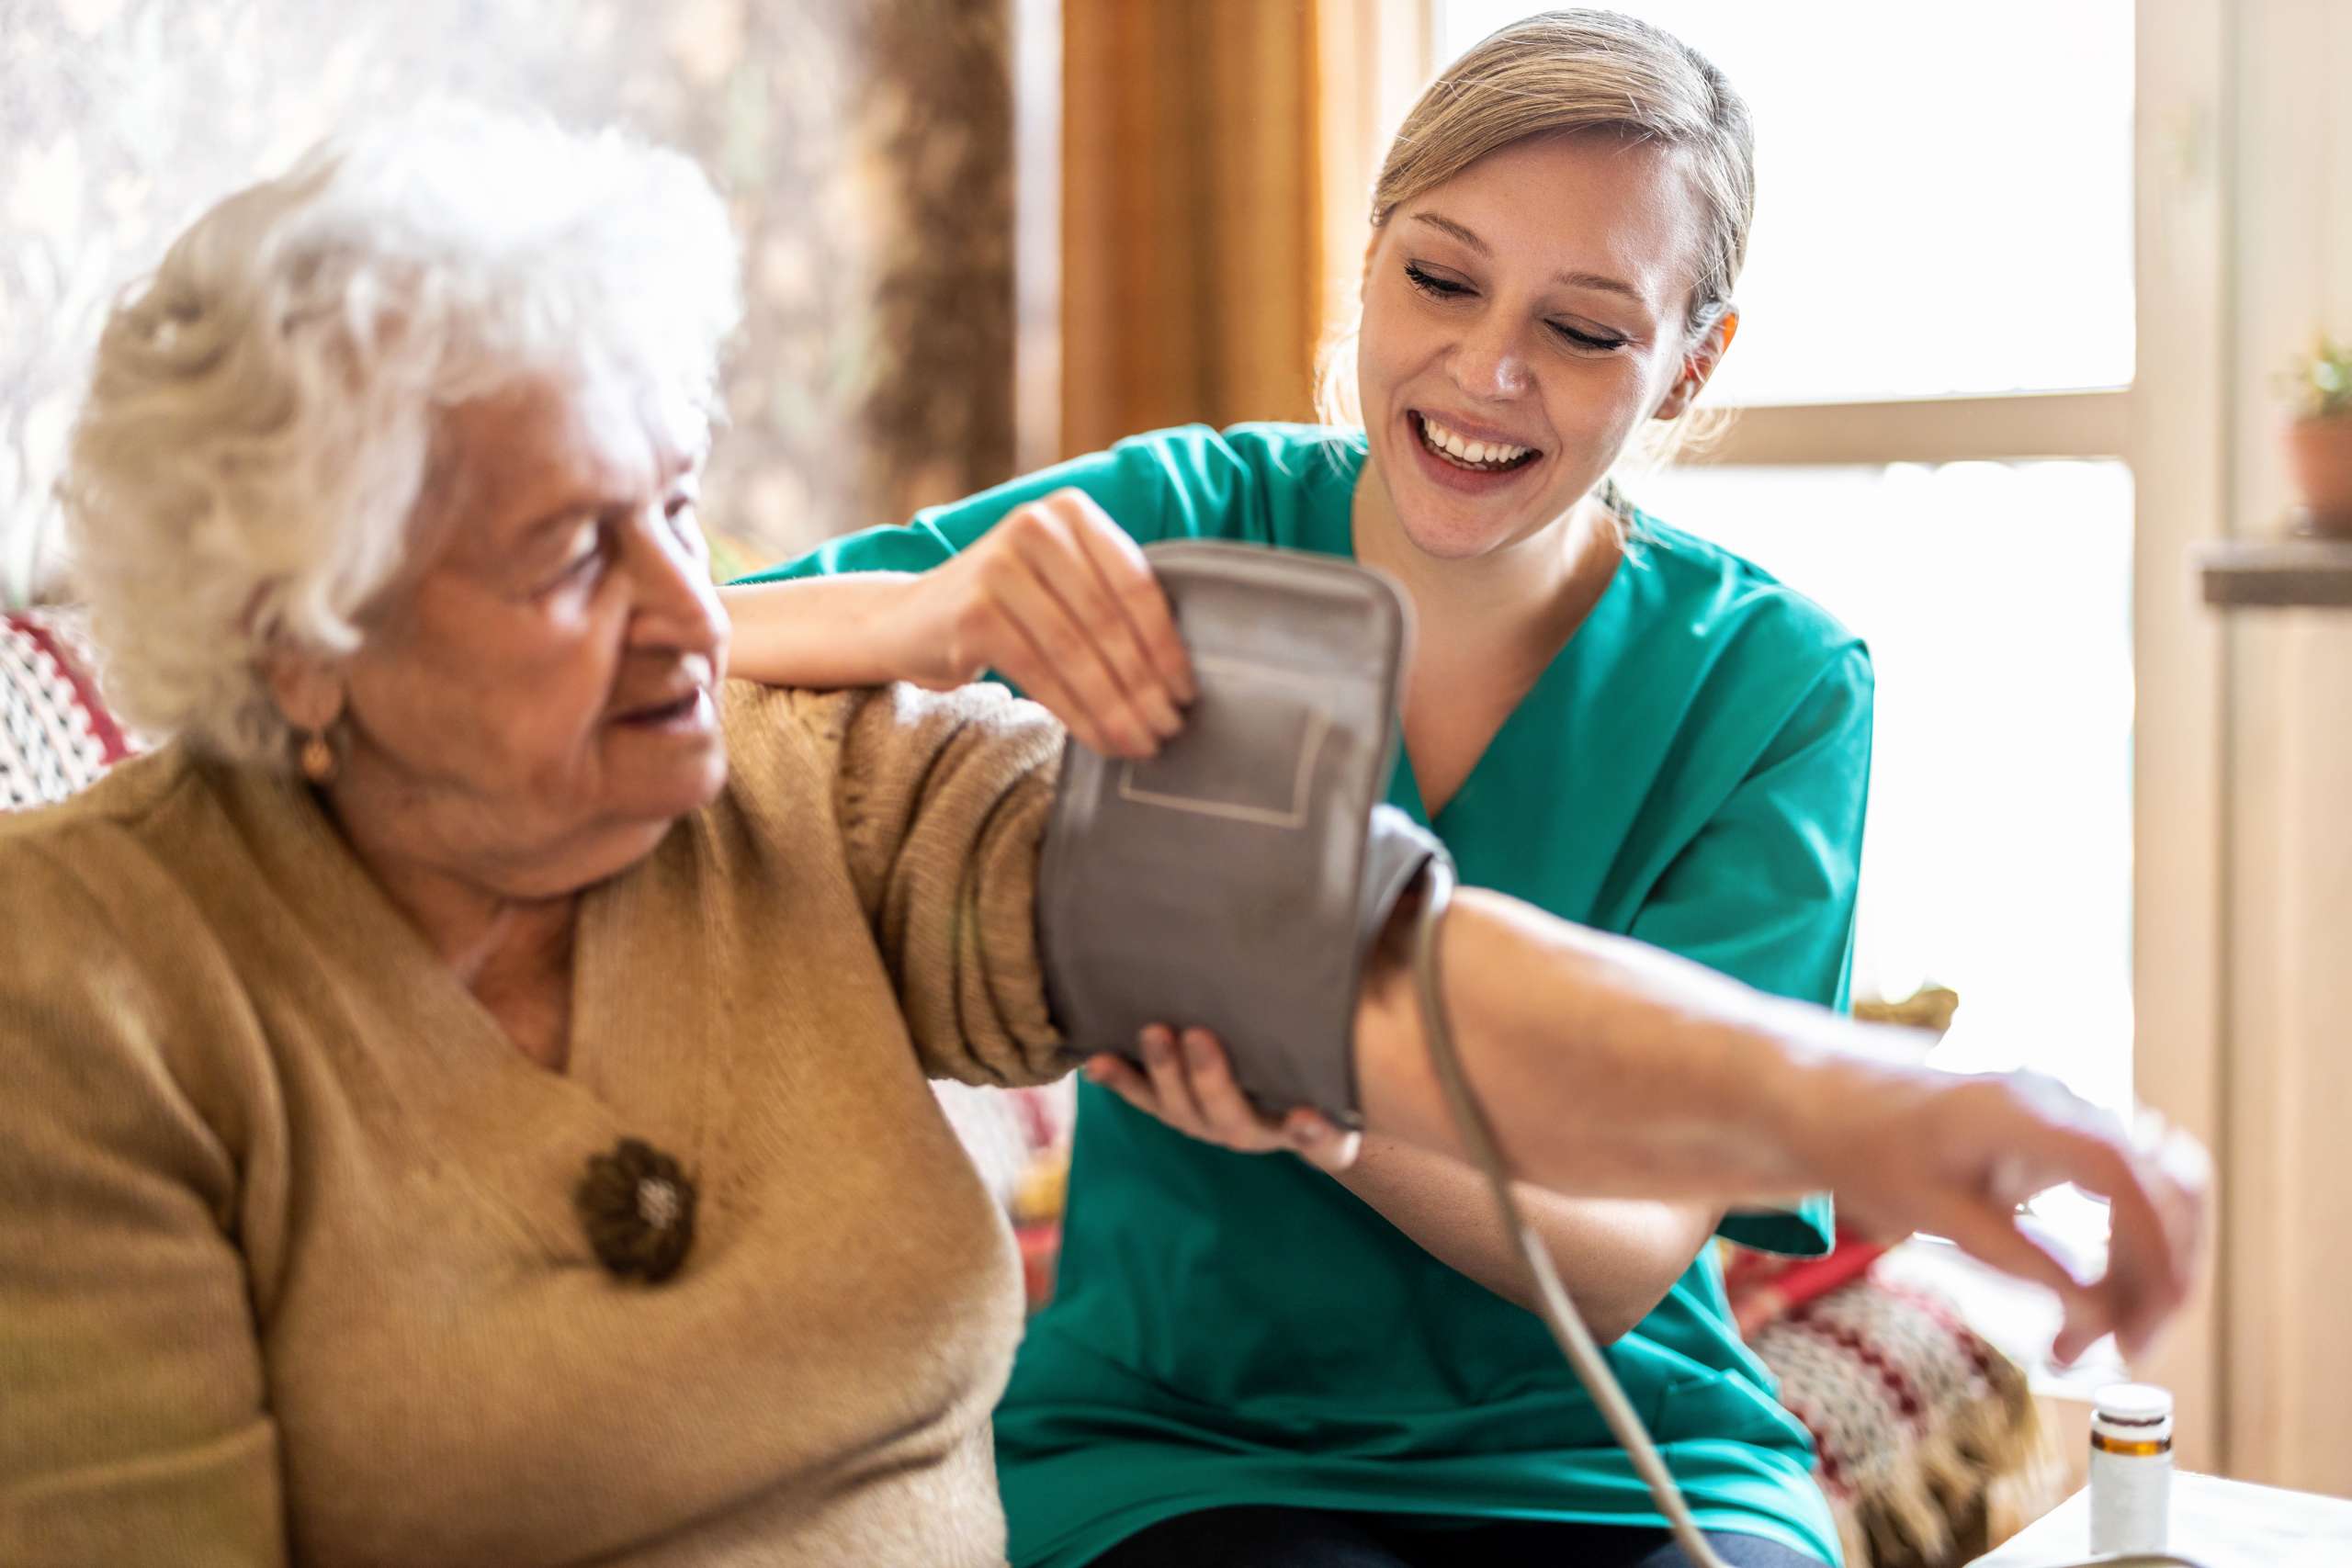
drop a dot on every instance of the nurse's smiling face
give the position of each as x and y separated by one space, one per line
1521 320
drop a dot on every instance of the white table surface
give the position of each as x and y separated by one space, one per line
2219 1523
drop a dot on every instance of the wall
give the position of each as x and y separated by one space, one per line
864 152
2244 952
2288 1046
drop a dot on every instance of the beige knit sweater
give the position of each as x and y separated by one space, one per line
289 1269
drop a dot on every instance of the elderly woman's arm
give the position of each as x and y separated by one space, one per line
1608 1066
942 798
133 1423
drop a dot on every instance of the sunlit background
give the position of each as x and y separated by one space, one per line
1944 193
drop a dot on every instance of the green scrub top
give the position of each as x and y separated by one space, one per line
1232 1330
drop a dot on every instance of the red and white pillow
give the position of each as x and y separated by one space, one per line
56 735
1927 1440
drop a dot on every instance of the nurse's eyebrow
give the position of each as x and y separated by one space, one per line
1599 280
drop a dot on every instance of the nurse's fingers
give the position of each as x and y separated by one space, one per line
1189 1085
1142 1089
1238 1123
1180 1107
1120 1077
1230 1118
1128 576
1319 1140
1109 648
1047 650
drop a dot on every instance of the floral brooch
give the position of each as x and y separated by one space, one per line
637 1207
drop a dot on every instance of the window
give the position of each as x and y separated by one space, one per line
1935 340
1995 598
1954 181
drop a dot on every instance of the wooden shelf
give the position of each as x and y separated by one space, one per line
2245 574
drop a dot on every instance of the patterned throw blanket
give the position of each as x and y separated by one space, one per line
1930 1448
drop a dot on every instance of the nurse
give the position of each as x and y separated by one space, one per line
1259 1362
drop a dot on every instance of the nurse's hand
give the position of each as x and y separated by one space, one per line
1956 1157
1060 599
1189 1085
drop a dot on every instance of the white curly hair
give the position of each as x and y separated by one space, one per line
261 428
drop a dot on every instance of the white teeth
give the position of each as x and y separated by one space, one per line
1480 453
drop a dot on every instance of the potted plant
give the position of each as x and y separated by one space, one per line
2319 441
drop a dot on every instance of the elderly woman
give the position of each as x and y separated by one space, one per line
467 1093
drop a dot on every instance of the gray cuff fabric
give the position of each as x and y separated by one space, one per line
1236 881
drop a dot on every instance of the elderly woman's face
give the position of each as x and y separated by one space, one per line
546 691
1529 312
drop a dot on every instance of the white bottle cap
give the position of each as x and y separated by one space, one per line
2132 1412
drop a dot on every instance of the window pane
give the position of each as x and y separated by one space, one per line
1943 192
1996 602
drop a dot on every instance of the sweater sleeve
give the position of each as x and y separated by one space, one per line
134 1426
942 800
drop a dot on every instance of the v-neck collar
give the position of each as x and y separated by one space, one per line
1522 759
1556 690
455 1062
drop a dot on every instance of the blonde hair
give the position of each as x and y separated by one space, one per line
1574 72
261 422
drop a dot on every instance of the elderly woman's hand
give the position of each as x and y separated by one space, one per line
1958 1158
1189 1085
1059 599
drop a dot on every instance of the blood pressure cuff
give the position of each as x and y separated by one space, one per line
1237 881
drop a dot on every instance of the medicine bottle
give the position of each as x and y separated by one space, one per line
2131 1468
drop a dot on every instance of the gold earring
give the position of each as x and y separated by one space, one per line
318 758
